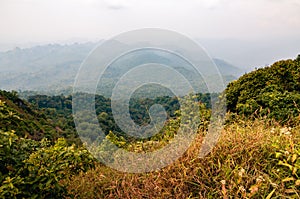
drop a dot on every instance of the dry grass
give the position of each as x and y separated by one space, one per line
242 165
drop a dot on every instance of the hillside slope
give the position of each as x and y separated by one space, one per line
272 91
18 115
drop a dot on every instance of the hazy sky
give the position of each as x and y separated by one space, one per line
48 21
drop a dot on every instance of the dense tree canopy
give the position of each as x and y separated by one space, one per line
272 91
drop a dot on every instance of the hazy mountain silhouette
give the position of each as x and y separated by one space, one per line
54 67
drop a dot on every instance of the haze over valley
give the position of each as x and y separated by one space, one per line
52 68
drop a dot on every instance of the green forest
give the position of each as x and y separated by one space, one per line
257 155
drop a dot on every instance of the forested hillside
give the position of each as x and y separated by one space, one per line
272 91
257 156
59 110
19 115
34 156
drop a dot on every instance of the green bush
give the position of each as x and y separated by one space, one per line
288 158
34 169
271 91
47 166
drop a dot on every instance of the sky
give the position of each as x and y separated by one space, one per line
236 30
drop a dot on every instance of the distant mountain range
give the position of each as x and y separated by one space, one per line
52 68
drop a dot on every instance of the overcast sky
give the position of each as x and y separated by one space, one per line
246 21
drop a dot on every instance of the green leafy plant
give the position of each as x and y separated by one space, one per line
271 92
34 169
289 167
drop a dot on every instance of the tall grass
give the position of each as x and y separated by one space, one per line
250 161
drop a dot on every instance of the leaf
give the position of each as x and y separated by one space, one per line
288 179
294 158
49 182
285 164
278 155
295 169
290 191
270 194
10 141
254 188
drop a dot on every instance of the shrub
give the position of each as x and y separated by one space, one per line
34 169
271 91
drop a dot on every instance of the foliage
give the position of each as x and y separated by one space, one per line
244 164
58 110
16 114
48 166
272 91
289 164
34 169
13 151
169 130
256 158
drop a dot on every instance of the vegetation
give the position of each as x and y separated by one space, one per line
59 111
257 156
272 92
30 168
252 159
18 115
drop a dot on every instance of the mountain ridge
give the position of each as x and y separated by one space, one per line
53 67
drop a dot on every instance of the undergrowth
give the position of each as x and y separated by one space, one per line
254 159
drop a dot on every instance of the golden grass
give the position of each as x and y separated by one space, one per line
242 165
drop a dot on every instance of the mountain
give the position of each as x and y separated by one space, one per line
53 67
41 67
228 69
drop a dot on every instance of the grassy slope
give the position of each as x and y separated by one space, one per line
242 165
